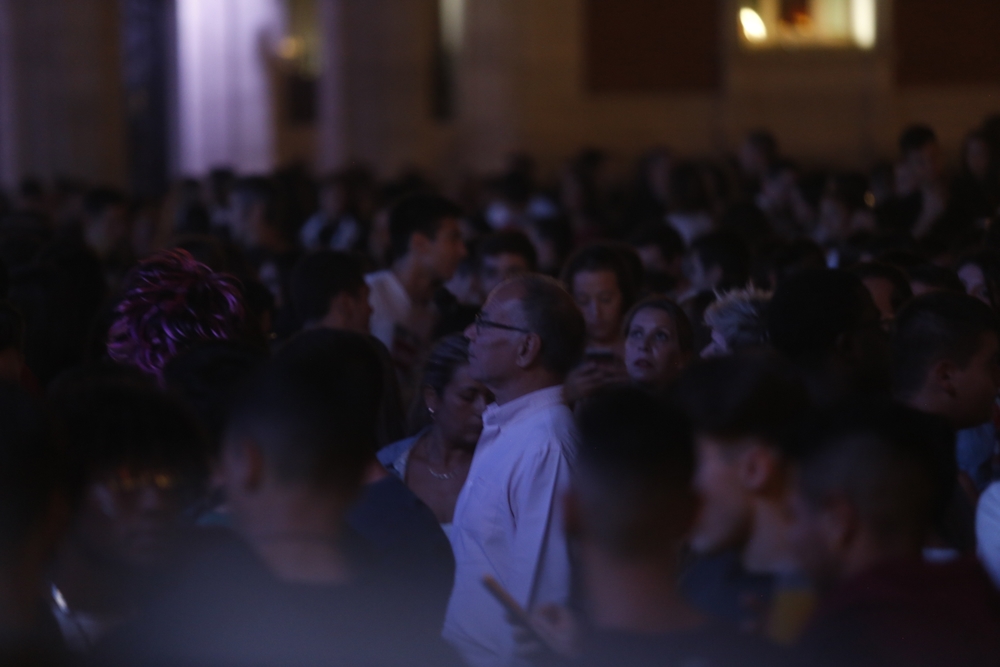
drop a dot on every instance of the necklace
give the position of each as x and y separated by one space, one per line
424 443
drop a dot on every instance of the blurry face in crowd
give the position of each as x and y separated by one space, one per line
924 165
598 296
976 386
493 348
446 251
130 516
458 412
975 282
724 520
753 160
652 259
653 353
881 291
106 232
498 268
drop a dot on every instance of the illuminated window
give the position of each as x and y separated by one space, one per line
810 23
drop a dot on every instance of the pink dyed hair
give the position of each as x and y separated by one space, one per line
172 302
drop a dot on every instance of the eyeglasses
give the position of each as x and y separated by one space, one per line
483 323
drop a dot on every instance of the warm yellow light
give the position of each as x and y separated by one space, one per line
753 25
863 22
290 48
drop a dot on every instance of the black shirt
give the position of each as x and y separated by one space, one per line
719 586
709 646
228 609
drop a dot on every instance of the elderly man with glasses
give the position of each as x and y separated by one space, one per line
508 519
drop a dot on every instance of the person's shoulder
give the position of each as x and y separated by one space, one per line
991 497
391 452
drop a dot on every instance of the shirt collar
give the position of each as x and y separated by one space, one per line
501 415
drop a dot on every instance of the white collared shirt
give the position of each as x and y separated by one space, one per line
988 530
509 523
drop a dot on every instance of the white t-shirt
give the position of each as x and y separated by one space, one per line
390 304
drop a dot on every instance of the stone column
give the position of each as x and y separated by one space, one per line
224 93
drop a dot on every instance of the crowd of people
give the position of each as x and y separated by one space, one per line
728 413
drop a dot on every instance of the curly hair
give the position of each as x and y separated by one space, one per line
172 302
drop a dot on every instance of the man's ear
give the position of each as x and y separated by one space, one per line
758 467
942 376
529 350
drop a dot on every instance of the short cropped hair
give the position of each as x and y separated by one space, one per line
634 470
604 257
319 277
935 327
551 313
894 464
419 213
510 242
810 309
313 409
746 395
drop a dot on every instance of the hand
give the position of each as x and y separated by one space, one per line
552 638
587 378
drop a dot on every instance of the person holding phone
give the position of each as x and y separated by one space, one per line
604 285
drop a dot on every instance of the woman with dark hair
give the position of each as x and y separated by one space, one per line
659 342
449 415
603 282
172 302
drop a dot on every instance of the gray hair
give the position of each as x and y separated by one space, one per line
740 317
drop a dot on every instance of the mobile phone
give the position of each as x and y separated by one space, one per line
516 611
